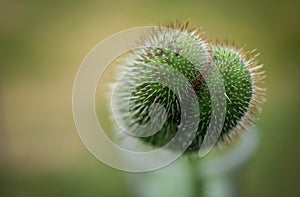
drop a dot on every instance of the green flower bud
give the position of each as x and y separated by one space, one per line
184 50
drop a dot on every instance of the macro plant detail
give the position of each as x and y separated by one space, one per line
186 51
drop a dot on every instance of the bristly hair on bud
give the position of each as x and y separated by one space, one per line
243 78
186 50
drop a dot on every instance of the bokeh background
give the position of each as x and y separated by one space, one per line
42 44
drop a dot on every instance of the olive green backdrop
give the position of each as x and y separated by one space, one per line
42 44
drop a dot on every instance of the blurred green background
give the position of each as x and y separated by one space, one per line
42 44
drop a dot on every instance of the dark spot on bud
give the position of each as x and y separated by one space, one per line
158 52
198 82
